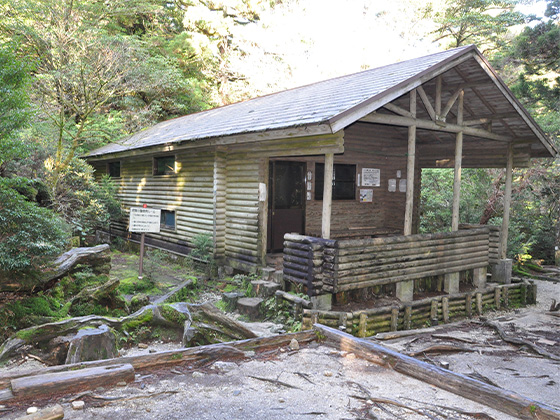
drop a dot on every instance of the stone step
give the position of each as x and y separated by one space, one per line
267 273
264 289
250 307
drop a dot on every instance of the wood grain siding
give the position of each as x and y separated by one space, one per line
242 212
366 146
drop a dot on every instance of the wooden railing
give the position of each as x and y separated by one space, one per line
333 266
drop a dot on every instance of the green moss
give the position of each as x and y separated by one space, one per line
145 318
172 315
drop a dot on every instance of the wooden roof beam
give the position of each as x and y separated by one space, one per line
427 103
432 125
489 119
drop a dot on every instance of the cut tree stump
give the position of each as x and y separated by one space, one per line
250 307
60 382
503 400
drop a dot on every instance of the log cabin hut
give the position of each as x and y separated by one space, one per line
329 174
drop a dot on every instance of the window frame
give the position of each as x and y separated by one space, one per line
163 226
109 168
155 161
320 182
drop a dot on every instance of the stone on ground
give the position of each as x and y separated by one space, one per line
92 344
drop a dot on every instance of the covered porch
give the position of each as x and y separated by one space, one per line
463 117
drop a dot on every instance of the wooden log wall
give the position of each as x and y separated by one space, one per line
189 192
494 239
242 211
420 313
303 261
371 262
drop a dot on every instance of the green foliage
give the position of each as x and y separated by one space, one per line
14 107
203 245
437 197
84 203
481 22
29 235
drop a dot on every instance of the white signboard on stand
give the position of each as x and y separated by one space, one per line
144 220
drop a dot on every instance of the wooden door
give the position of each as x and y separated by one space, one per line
286 202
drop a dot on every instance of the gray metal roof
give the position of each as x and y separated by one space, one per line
319 104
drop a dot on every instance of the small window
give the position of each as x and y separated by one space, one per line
344 182
164 165
168 219
114 169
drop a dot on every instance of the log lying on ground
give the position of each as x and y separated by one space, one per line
97 257
202 324
192 355
71 380
497 398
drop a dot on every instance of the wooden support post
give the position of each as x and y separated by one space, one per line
327 196
410 168
497 298
394 318
434 319
500 399
502 252
363 325
141 262
407 321
458 164
468 305
263 209
445 309
478 303
438 98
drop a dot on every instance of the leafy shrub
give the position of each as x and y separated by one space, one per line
29 234
203 245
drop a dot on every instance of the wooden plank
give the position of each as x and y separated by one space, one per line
71 380
505 401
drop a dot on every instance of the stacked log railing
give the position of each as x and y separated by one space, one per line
377 261
303 261
494 239
424 312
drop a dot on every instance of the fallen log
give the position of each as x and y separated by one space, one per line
97 257
61 382
201 324
497 398
191 355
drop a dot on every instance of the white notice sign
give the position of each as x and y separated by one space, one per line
144 220
371 177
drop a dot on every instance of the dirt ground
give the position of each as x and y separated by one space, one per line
319 382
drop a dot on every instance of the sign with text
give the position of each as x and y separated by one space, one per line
144 220
371 177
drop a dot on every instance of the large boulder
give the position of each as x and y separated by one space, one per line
92 344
